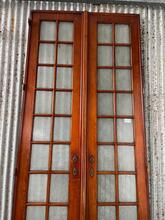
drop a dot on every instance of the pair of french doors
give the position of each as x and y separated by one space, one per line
82 153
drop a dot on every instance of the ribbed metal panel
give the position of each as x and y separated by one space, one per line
13 47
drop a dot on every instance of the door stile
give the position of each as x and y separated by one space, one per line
83 128
75 181
92 121
140 151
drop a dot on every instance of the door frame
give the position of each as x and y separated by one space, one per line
84 108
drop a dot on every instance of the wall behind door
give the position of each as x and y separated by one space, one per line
13 47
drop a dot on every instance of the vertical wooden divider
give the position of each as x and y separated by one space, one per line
92 121
84 53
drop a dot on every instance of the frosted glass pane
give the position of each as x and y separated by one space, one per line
47 53
105 158
37 188
124 104
45 77
64 54
104 56
62 129
104 79
64 78
106 213
128 212
127 188
104 33
105 130
43 102
65 31
125 130
122 33
48 30
39 157
123 80
41 129
105 104
123 56
106 188
126 158
59 188
60 158
35 213
63 103
58 213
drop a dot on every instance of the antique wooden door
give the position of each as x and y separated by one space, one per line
82 150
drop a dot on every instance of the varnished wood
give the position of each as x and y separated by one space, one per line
92 119
25 147
84 92
135 66
140 150
83 202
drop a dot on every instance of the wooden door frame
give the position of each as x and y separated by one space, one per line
23 161
85 54
140 152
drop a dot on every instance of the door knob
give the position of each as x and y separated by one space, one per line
75 161
75 158
91 159
75 171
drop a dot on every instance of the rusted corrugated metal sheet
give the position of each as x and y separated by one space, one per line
13 46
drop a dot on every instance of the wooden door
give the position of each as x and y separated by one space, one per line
82 150
117 187
48 185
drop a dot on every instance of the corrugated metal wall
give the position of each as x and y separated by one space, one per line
13 46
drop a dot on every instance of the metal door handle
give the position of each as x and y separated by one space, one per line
91 159
75 158
75 171
91 171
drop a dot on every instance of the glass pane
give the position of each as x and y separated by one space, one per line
62 129
43 102
48 30
104 56
125 130
47 53
123 56
60 157
41 129
64 54
106 213
39 157
58 213
37 188
63 103
45 77
122 33
59 188
105 104
105 158
127 188
124 104
104 33
105 130
105 79
128 212
64 78
65 31
126 158
35 213
106 188
123 80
